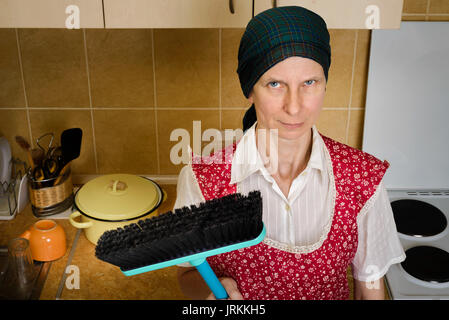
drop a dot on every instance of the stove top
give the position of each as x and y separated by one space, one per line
421 219
413 140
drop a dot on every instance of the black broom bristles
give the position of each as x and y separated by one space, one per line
212 224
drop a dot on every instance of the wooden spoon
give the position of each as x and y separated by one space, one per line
23 143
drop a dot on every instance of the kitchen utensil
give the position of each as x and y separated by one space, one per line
5 160
38 156
114 200
62 172
53 164
56 154
20 261
44 163
71 148
71 144
47 240
48 167
50 143
38 174
188 235
23 143
51 167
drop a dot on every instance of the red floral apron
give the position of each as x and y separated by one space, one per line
264 272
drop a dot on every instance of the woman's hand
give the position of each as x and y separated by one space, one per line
374 290
231 288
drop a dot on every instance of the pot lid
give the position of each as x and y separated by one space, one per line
116 197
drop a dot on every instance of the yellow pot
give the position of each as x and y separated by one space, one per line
115 200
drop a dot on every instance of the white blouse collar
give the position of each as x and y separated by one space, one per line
247 160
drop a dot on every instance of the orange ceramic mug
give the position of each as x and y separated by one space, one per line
47 240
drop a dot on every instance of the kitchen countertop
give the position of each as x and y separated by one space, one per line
22 221
99 280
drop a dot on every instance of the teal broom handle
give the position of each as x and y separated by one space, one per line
211 280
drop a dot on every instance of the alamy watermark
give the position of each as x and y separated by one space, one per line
72 280
372 281
373 19
73 19
181 152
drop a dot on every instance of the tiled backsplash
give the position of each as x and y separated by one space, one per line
128 89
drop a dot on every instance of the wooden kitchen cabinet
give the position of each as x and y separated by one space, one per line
347 14
338 14
176 13
49 13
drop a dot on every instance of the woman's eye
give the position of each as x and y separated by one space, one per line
273 84
308 82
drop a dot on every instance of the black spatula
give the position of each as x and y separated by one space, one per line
71 148
71 144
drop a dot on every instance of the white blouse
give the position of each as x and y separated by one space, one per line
301 222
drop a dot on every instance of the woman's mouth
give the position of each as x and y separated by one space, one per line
291 125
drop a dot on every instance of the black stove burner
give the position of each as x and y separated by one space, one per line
418 218
427 263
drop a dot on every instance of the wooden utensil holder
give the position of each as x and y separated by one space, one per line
48 199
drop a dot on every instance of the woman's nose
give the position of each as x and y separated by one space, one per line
292 102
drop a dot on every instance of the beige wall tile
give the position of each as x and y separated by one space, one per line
332 123
56 121
186 67
439 6
125 141
121 67
231 92
168 120
415 6
361 69
232 119
340 72
11 88
54 67
187 75
355 132
14 123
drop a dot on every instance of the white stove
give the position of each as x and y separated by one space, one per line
407 124
425 273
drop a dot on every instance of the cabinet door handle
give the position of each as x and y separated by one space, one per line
231 6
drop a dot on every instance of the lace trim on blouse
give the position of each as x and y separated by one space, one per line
370 202
312 247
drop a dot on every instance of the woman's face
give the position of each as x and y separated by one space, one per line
289 97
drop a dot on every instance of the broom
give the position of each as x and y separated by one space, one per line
186 235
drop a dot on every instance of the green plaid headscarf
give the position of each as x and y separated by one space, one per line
276 34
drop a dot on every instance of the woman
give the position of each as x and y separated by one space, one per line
324 205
